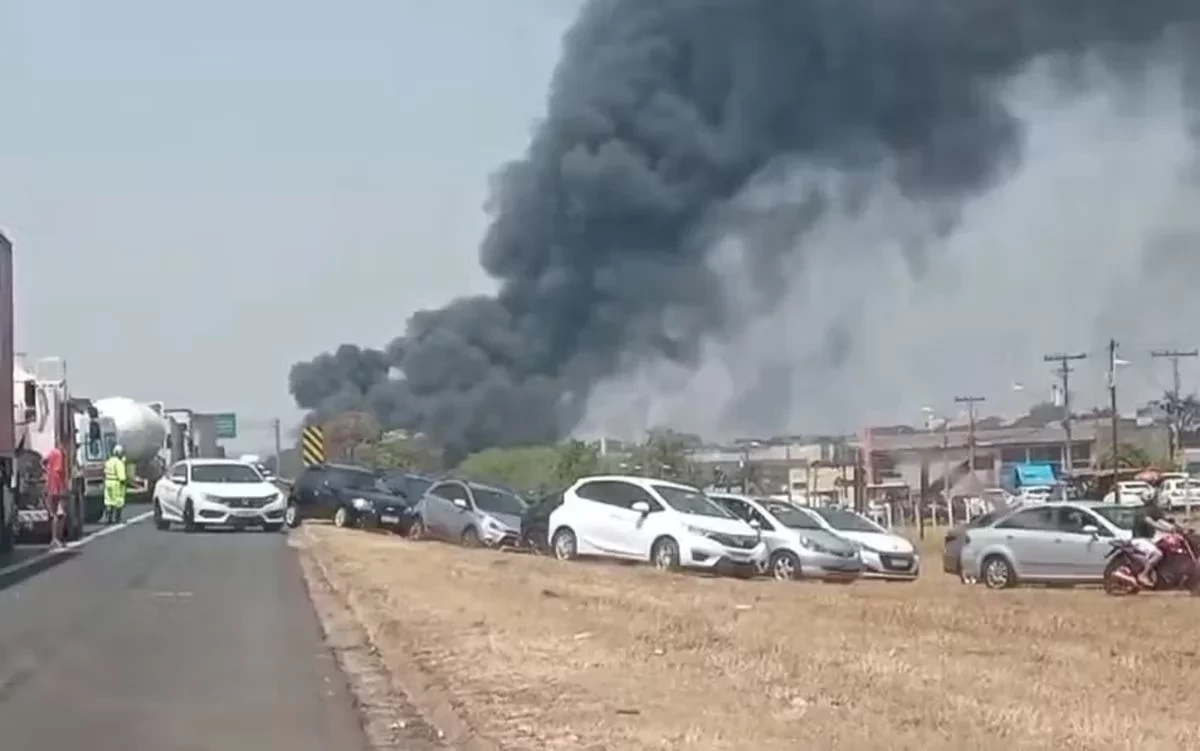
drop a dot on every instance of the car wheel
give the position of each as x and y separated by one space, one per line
564 546
664 554
341 517
470 538
998 573
189 518
275 527
416 530
160 523
291 516
785 565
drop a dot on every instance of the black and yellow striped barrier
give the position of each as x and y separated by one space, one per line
312 445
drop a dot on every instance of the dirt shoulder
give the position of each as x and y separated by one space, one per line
537 654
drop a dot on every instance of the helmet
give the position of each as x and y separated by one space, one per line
118 450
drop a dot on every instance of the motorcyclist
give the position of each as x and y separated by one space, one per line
1149 522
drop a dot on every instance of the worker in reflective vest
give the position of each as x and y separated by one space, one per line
116 479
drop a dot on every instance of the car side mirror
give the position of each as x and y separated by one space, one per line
641 507
756 524
460 503
1091 529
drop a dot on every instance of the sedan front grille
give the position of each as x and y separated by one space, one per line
246 502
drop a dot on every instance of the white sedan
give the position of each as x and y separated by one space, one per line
199 493
885 555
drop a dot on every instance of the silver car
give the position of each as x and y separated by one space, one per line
1064 542
470 514
799 547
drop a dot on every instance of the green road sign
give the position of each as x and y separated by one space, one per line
226 425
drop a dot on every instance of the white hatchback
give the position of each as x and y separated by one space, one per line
643 519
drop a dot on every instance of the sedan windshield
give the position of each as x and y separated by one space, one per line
498 502
848 521
690 501
792 517
231 473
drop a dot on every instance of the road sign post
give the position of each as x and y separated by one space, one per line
226 425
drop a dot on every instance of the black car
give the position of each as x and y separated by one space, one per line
535 523
407 485
349 496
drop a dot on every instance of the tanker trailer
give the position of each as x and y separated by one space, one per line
141 432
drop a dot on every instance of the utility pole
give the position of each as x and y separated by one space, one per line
1064 373
1174 416
275 426
1112 405
970 401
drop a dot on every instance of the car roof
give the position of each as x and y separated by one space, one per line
638 480
210 462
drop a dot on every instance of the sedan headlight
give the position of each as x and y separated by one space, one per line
361 504
699 532
492 526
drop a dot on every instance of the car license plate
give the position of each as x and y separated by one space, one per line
389 519
245 512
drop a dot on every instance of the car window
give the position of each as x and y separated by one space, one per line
451 491
848 521
691 501
735 506
1121 517
792 517
1073 520
225 473
497 501
352 479
608 492
1031 518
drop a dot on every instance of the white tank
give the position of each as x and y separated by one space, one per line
140 430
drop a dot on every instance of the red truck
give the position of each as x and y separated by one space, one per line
8 438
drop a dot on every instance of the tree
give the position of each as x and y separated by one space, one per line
1186 411
1128 457
1040 415
576 459
347 433
664 455
396 449
528 469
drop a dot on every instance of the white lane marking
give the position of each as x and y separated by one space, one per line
74 545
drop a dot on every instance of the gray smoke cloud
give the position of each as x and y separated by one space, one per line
770 215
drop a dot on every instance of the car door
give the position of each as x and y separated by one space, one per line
594 516
632 532
172 492
1084 555
439 509
1029 537
459 517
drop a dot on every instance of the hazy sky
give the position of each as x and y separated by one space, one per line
201 194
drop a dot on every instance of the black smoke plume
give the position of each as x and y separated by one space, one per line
660 112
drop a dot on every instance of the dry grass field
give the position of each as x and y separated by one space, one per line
539 654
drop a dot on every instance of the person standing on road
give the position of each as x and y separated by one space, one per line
116 479
56 494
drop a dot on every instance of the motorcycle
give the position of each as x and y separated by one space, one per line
1177 570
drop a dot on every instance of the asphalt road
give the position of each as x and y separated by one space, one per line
143 640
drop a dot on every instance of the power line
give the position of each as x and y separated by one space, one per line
1064 373
1174 415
